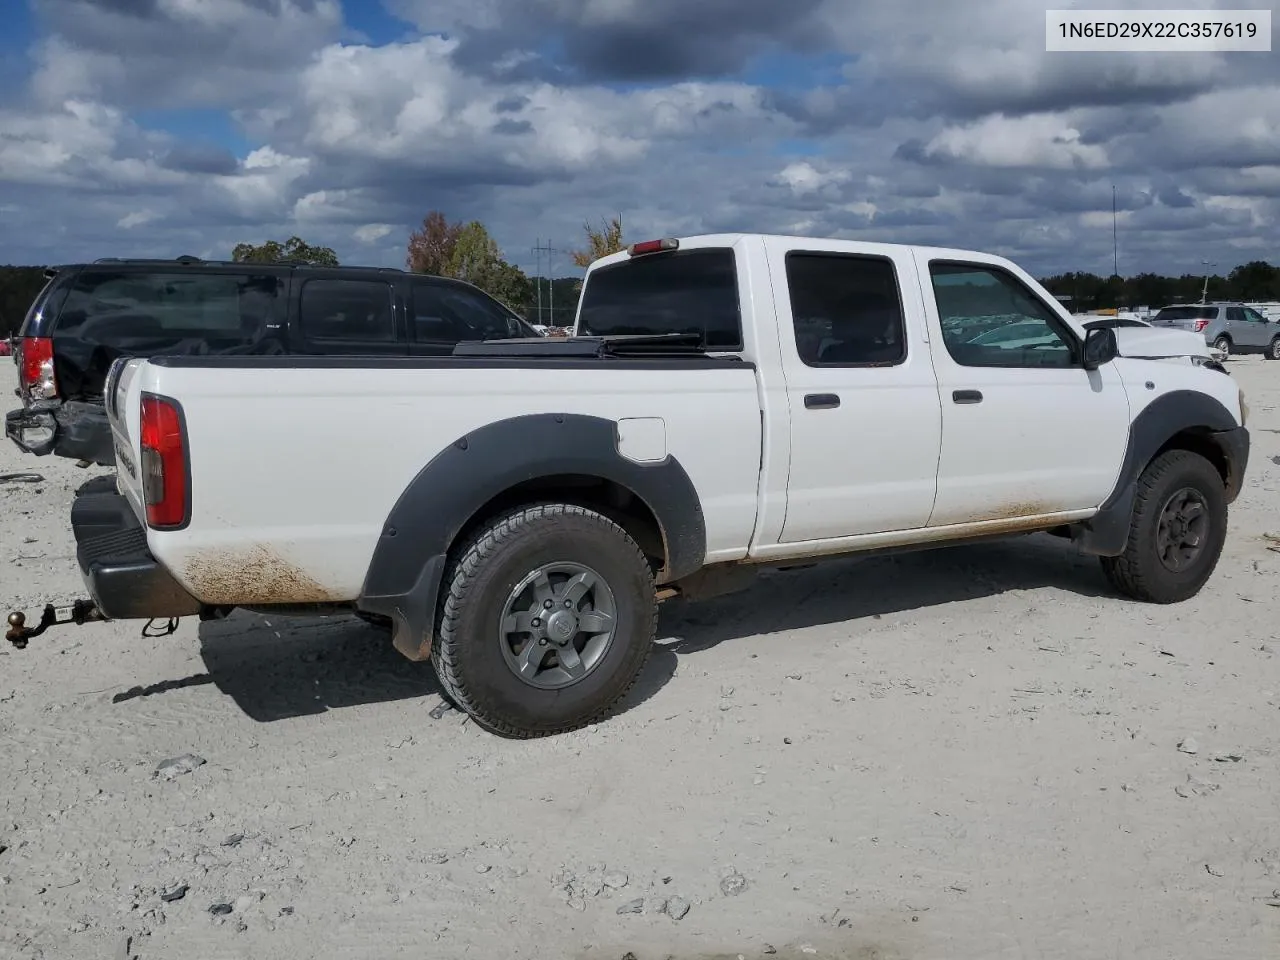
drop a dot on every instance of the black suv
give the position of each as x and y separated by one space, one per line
88 315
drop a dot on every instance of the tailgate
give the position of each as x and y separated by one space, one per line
123 399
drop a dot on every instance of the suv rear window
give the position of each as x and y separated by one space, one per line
115 306
1187 313
689 291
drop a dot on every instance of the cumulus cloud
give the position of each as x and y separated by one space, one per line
929 122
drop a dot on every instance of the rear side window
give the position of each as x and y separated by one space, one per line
107 306
445 313
846 310
689 291
44 308
347 310
1188 313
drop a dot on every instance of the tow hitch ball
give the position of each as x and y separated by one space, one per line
80 612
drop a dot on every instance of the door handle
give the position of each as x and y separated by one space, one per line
821 401
966 396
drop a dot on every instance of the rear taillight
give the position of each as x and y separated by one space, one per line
36 368
164 463
1200 325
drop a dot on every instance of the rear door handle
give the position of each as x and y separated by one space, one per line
821 401
966 396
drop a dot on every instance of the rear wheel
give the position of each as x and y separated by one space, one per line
1175 538
1273 351
1223 344
548 620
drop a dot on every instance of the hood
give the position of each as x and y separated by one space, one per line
1159 343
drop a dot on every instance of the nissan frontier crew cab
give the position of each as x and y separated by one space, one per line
515 512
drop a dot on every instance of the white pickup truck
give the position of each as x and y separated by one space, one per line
516 512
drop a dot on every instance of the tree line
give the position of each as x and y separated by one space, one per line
467 251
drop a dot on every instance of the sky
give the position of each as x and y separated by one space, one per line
171 127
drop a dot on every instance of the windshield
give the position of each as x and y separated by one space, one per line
693 291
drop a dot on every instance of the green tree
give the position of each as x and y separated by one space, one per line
18 287
601 242
294 249
1257 280
477 259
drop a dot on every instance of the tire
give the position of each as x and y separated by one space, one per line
1141 572
1273 351
1223 344
476 650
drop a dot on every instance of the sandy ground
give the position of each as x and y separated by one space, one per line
971 753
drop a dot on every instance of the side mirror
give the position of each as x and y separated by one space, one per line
1100 347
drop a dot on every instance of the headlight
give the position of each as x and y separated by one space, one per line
1244 409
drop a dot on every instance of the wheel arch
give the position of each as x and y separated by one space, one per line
565 458
1179 420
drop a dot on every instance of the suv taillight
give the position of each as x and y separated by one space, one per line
36 375
1201 324
164 463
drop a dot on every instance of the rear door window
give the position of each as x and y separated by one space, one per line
119 307
689 291
846 310
360 311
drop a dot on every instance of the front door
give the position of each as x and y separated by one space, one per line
865 418
1026 430
1253 330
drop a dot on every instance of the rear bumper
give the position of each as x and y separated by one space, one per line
124 579
74 429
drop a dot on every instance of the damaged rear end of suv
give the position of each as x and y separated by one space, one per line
89 315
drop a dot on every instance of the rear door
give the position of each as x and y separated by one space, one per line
866 424
347 316
1027 431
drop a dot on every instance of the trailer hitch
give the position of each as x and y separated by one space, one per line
80 612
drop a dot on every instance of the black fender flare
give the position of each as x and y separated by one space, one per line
1180 411
404 578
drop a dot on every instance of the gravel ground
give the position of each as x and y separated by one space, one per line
970 753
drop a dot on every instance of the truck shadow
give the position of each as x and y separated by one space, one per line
276 668
855 588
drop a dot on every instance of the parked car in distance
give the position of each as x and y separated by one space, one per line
1230 327
728 403
89 315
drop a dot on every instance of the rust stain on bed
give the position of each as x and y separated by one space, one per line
256 575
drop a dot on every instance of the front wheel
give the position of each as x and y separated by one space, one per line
1273 351
549 617
1223 344
1175 538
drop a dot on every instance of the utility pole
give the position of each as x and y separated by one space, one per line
537 275
1115 243
550 251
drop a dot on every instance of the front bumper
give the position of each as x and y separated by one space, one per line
75 429
124 579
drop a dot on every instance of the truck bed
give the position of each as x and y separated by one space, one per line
268 467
